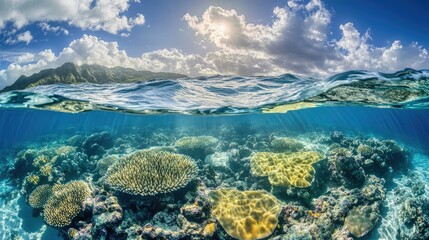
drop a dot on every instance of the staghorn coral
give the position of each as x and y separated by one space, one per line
286 144
360 220
65 203
46 170
151 172
33 179
196 147
40 160
40 196
286 169
245 214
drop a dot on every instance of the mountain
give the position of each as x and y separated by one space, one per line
70 73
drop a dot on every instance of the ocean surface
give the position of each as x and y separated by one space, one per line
245 116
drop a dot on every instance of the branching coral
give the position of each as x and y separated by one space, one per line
286 169
40 160
40 196
65 203
33 179
151 172
245 214
197 147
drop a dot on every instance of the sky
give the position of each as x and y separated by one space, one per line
205 37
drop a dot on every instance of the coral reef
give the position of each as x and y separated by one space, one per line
97 143
104 163
286 169
151 172
65 203
286 144
245 214
40 196
196 147
360 220
122 185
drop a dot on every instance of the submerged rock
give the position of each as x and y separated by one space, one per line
362 219
97 143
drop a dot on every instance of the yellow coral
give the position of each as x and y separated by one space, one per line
245 214
286 169
151 172
314 214
209 230
33 179
65 203
40 160
40 196
46 170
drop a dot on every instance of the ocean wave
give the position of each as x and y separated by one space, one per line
232 94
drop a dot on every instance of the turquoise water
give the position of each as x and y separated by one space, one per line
241 130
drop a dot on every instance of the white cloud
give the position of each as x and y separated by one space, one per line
48 28
296 41
22 37
107 15
139 20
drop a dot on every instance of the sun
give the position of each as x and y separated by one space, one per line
221 30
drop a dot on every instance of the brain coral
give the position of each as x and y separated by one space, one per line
245 214
65 203
361 220
40 196
286 169
197 147
151 172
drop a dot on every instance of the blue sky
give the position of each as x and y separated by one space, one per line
203 37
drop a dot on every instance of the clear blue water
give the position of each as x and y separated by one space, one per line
205 105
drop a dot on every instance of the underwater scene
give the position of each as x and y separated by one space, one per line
221 157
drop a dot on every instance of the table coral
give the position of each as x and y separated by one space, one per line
286 169
245 214
151 172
